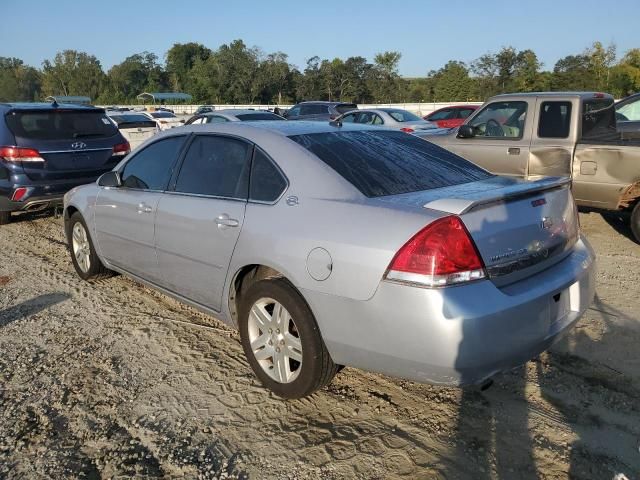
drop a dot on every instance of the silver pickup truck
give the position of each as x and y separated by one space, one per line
574 134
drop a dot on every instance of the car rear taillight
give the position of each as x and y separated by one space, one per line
440 254
19 154
19 193
407 129
121 149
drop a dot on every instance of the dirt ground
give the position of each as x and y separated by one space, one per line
113 380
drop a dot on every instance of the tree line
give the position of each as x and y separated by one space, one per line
237 74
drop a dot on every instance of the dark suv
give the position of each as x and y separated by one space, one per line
319 110
47 149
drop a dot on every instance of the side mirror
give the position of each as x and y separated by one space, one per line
110 179
284 114
466 131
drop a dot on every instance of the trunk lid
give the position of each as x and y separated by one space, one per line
519 227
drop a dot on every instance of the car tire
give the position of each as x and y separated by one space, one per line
273 342
635 222
83 253
5 217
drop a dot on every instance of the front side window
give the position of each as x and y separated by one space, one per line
500 120
555 120
366 118
150 169
377 120
216 166
349 118
294 112
267 183
442 115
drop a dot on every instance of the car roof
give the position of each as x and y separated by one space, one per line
582 95
46 106
280 128
231 111
322 102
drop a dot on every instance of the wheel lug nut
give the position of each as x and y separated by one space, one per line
278 330
270 330
278 350
281 342
270 342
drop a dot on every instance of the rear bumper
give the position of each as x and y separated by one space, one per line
458 335
39 197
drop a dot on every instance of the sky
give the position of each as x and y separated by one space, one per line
427 33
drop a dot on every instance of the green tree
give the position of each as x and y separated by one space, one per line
573 72
72 73
136 74
601 60
181 58
384 82
526 74
18 82
452 83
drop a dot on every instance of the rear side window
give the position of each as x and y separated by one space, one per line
442 115
382 163
150 169
555 120
314 109
267 183
403 116
248 117
599 120
465 112
216 166
60 124
346 107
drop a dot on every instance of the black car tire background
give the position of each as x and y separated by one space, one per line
317 368
5 217
635 222
96 270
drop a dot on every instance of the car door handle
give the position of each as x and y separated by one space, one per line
223 220
144 208
514 151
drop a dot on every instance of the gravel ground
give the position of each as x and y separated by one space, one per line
113 380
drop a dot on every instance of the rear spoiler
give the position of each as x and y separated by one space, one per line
459 206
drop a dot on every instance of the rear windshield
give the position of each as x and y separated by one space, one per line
60 124
247 117
599 120
133 121
382 163
346 107
162 115
403 116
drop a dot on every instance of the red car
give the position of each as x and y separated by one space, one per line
450 117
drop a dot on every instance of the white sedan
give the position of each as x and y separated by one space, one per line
164 120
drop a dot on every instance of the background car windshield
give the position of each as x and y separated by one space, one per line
246 117
630 111
382 163
60 125
403 116
162 115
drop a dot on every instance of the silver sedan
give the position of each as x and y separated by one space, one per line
395 118
329 245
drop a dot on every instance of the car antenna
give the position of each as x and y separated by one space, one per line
336 123
55 104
